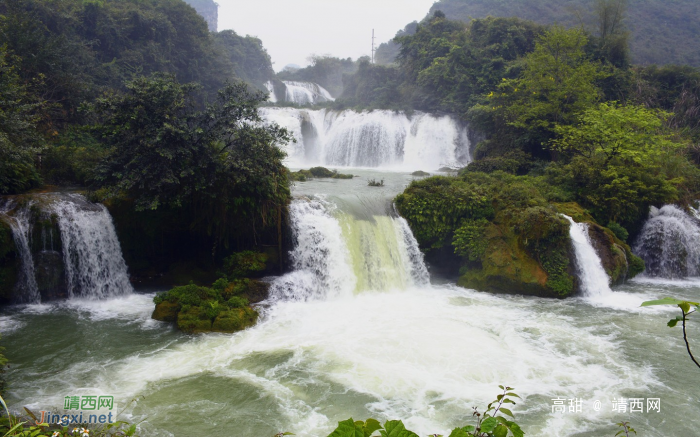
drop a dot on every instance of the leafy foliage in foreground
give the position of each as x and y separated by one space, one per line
685 307
494 422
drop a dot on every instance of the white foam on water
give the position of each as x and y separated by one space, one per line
9 324
132 308
419 354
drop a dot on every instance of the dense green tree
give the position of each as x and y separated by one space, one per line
558 81
375 86
249 59
20 142
613 133
164 153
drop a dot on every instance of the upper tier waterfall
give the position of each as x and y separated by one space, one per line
298 93
67 247
594 281
378 138
669 243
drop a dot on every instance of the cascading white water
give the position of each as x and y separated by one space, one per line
377 138
337 254
306 93
669 243
271 90
27 288
414 258
92 255
299 93
320 258
594 281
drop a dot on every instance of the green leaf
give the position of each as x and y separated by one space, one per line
515 429
667 301
488 424
506 411
685 306
672 323
396 428
458 432
500 431
370 426
347 428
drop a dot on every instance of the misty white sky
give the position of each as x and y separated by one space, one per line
291 30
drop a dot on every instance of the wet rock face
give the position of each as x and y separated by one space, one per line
9 263
612 253
50 275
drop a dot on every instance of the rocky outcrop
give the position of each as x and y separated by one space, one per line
505 236
223 307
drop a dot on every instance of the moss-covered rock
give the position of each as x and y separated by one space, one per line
420 173
616 256
317 172
193 320
166 311
506 233
223 307
235 320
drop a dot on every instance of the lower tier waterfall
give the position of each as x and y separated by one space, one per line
378 138
338 254
669 243
591 274
67 247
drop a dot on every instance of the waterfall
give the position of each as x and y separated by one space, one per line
92 255
594 281
299 93
413 257
338 254
26 289
90 262
669 243
377 138
271 90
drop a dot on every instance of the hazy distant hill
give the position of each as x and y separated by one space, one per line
208 9
662 31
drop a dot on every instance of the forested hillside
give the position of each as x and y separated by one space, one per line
127 98
662 32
